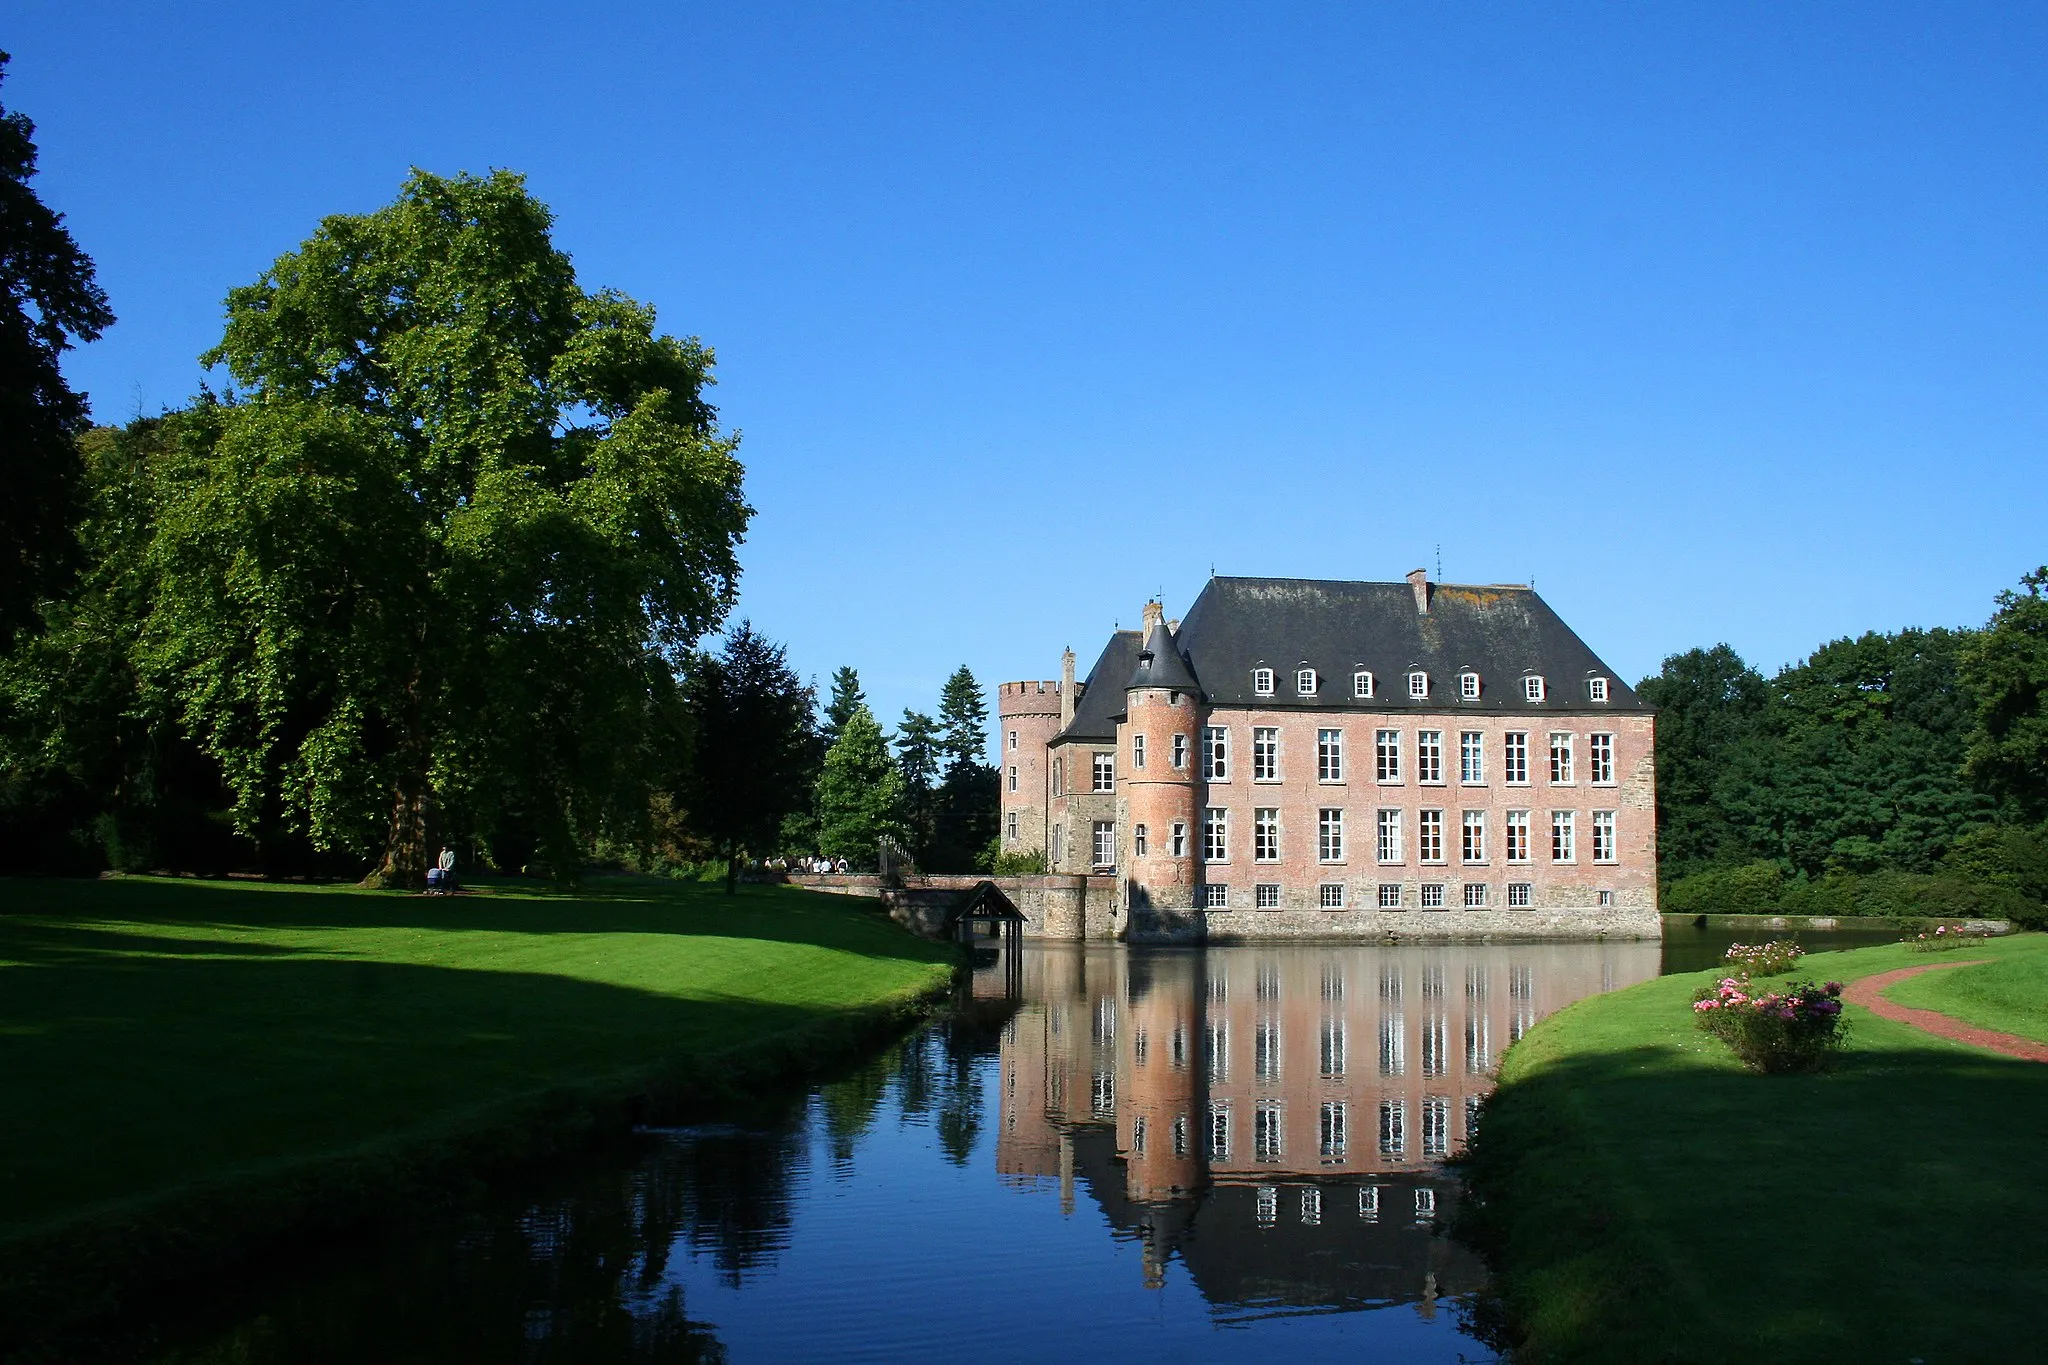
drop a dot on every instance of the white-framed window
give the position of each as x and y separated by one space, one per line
1361 685
1010 826
1471 757
1472 836
1606 899
1266 895
1418 684
1560 758
1104 772
1532 687
1518 836
1604 843
1013 777
1436 1127
1141 841
1475 895
1390 895
1177 840
1564 830
1425 1206
1262 682
1329 835
1266 834
1329 755
1393 1127
1600 759
1432 895
1332 1132
1596 689
1266 1048
1180 751
1138 1134
1387 755
1390 836
1330 896
1305 682
1215 835
1137 751
1468 685
1519 897
1265 753
1105 844
1215 753
1219 1128
1429 836
1215 896
1266 1131
1514 758
1429 755
1436 1042
1393 1044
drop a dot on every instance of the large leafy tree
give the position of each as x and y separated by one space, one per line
48 300
860 793
2005 668
440 554
1709 703
755 746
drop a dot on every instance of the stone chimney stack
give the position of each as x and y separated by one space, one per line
1066 689
1418 579
1154 614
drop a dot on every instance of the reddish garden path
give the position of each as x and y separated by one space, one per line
1869 993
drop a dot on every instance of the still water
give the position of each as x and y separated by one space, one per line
1099 1152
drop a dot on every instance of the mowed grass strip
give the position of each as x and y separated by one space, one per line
2009 995
1644 1198
155 1033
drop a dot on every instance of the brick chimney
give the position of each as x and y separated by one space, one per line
1154 614
1066 689
1418 579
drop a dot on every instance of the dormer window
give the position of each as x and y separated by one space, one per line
1305 682
1361 685
1596 689
1418 684
1468 685
1262 682
1532 687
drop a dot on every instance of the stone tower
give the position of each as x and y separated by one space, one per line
1029 716
1162 703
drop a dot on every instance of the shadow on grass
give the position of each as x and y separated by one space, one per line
1655 1204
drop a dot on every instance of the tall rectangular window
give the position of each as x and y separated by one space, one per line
1266 1048
1180 751
1436 1126
1331 1041
1473 844
1262 682
1393 1127
1140 845
1329 755
1177 841
1471 757
1436 1045
1305 682
1429 836
1518 836
1266 1131
1215 835
1265 753
1514 759
1219 1130
1105 844
1331 1130
1390 836
1137 751
1058 849
1266 834
1216 753
1010 825
1560 757
1603 836
1387 755
1105 772
1600 758
1393 1044
1563 836
1330 835
1013 739
1361 685
1429 755
1418 685
1013 777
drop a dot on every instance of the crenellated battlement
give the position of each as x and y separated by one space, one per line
1030 698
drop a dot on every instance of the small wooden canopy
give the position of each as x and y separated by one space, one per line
985 904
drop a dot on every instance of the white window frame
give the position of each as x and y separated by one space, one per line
1532 687
1472 758
1103 833
1475 896
1013 777
1215 753
1387 756
1305 682
1011 824
1013 739
1514 758
1266 834
1265 753
1140 841
1429 829
1329 755
1418 685
1333 1139
1266 896
1262 682
1596 689
1516 842
1361 684
1387 836
1468 685
1390 896
1432 895
1394 1128
1102 771
1521 895
1600 758
1216 835
1179 752
1215 896
1604 899
1137 752
1606 837
1563 759
1472 837
1330 834
1429 757
1177 840
1564 836
1330 896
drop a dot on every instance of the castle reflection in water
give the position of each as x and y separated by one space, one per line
1275 1116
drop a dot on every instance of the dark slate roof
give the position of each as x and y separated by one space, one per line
1102 697
1160 664
1336 628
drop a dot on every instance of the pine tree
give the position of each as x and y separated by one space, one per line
917 756
846 696
860 792
969 798
963 719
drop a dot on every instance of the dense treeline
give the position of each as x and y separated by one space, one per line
1903 773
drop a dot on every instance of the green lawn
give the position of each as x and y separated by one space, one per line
1646 1199
2009 995
157 1034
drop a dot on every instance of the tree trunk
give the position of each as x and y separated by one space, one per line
405 846
732 871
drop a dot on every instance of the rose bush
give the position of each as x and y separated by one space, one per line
1764 959
1797 1029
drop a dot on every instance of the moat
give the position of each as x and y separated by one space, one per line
1139 1153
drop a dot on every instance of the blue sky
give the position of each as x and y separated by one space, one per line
1719 322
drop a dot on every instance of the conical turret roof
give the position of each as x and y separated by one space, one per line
1160 663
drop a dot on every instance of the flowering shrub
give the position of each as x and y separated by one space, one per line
1796 1029
1943 938
1764 959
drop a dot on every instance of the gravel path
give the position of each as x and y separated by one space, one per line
1869 993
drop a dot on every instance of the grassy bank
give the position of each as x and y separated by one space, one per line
188 1065
1643 1198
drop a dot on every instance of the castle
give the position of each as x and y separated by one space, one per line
1312 758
